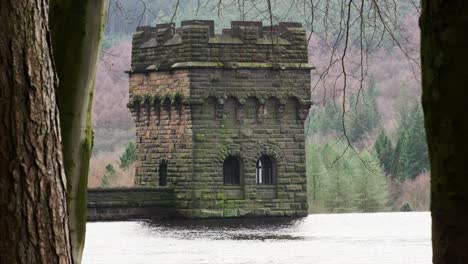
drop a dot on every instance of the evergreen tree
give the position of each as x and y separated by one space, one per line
317 176
364 115
400 158
109 175
411 155
326 119
340 182
331 118
384 150
370 187
129 156
339 195
417 151
418 154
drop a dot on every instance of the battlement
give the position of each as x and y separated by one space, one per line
195 44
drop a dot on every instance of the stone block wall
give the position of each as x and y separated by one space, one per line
248 113
106 204
163 125
197 98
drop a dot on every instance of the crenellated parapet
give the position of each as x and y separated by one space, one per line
195 44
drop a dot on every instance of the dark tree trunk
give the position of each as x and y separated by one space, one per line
33 210
444 51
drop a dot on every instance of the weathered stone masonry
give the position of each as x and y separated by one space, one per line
199 99
119 204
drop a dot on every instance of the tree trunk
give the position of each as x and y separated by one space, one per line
444 52
33 219
76 27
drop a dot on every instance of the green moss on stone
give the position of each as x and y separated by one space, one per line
230 213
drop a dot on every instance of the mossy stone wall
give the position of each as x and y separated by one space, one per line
106 204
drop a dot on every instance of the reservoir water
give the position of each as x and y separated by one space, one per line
382 238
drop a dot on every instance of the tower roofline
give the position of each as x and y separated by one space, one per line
164 45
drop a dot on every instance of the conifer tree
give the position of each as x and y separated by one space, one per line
339 196
339 181
384 150
369 184
364 115
417 150
317 176
400 158
129 156
410 157
326 120
109 175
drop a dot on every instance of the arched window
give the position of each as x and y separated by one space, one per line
163 173
264 170
231 171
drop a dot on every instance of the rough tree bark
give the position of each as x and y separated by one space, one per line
444 52
33 218
76 28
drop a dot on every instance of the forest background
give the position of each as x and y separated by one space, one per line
370 157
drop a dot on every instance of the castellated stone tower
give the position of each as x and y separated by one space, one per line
220 117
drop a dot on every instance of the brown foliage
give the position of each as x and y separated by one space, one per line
97 168
416 192
111 91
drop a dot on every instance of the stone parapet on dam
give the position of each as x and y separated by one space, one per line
117 204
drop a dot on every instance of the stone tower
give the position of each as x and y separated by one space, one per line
219 117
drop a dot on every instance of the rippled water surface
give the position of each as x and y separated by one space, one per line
347 238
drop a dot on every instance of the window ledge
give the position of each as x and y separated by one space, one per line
265 186
233 186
